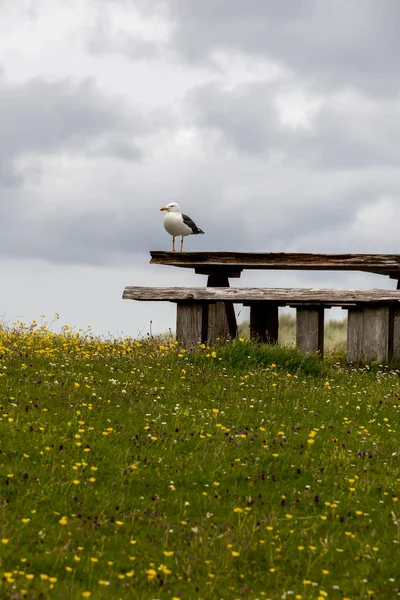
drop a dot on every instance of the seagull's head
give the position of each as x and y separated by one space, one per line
171 207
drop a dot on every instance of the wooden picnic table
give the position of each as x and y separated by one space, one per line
207 313
231 264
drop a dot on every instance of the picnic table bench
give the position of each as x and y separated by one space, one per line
207 314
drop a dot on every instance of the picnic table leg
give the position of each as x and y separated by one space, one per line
221 315
370 333
191 323
310 329
395 325
264 323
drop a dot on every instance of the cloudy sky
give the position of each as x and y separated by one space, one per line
275 125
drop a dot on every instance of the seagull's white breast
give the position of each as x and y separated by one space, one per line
174 224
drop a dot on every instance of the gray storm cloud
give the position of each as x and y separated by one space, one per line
40 116
331 43
83 172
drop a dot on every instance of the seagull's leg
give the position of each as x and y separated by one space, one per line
173 243
181 243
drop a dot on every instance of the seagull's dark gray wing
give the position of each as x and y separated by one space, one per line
188 221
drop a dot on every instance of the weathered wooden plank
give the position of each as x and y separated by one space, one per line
310 329
218 328
264 323
395 323
281 296
369 334
354 335
221 315
386 264
190 324
376 334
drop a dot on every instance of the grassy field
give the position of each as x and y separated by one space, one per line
335 334
136 470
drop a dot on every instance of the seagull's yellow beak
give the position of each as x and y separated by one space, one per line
164 208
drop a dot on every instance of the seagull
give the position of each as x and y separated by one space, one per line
177 224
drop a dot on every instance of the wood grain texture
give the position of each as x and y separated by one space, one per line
218 326
369 335
395 320
310 329
385 264
189 324
282 296
221 315
354 335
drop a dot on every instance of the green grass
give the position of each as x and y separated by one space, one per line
133 470
335 334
